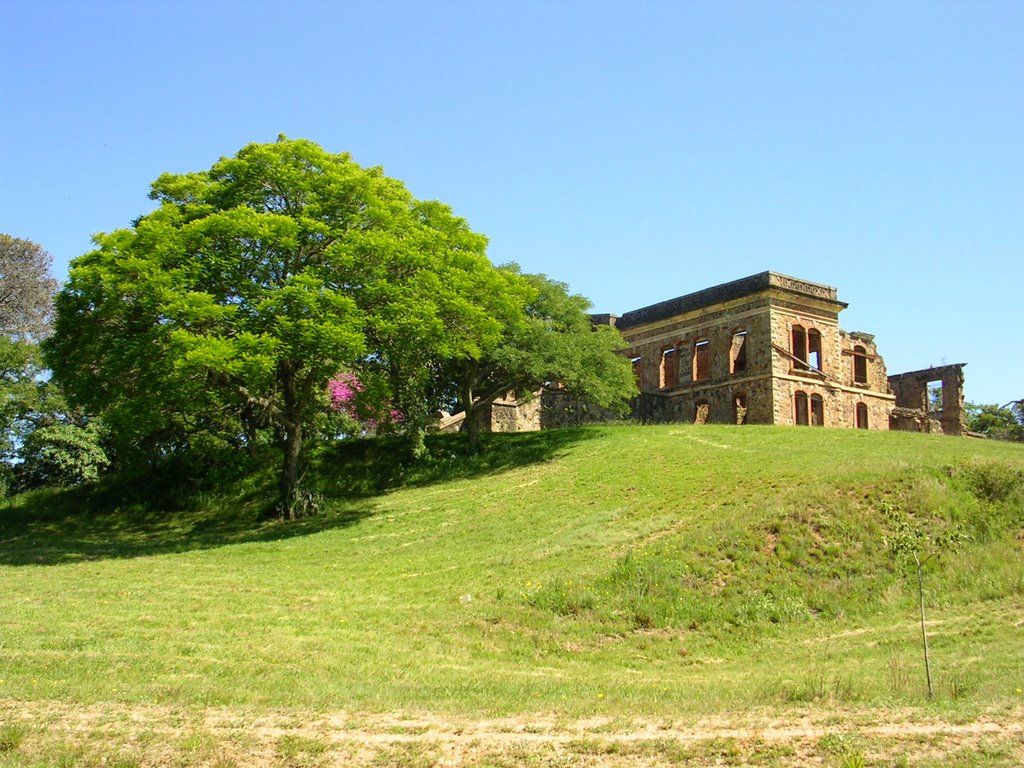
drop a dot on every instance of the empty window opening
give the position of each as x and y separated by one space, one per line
860 365
800 408
862 416
669 374
739 408
638 371
700 412
935 397
739 352
817 411
798 345
701 360
814 349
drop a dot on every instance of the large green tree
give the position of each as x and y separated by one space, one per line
251 285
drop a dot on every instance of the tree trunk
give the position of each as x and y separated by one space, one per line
292 425
290 470
471 424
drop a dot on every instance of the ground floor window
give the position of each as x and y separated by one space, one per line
817 411
862 416
800 408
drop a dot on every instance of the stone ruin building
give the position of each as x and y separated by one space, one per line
765 349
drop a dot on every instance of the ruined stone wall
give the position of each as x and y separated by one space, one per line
559 408
515 416
839 404
784 316
874 364
710 405
718 326
911 392
878 409
834 380
505 415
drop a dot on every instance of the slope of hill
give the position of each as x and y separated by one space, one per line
623 572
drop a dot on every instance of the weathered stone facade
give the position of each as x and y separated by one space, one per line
766 349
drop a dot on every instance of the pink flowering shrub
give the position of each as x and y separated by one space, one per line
345 391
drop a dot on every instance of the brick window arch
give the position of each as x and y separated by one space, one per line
738 352
814 356
669 369
798 344
860 365
701 360
817 411
801 408
862 416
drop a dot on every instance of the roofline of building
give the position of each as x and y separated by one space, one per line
932 373
734 289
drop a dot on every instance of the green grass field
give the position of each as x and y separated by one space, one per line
608 596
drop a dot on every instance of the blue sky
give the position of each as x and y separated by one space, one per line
635 150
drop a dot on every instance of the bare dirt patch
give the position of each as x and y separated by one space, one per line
142 735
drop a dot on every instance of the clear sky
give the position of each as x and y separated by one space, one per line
635 150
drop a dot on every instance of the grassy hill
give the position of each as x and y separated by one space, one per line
655 572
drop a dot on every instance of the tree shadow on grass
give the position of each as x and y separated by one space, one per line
354 469
169 511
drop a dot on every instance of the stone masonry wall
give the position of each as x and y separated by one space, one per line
722 385
834 381
911 391
559 408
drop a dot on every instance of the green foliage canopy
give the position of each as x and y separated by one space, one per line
62 454
1001 422
231 305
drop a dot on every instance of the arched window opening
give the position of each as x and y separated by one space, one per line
739 408
814 349
738 352
817 411
798 345
860 365
862 416
701 409
638 371
702 360
800 408
669 371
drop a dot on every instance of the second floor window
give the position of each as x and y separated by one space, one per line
860 365
739 352
702 360
669 368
